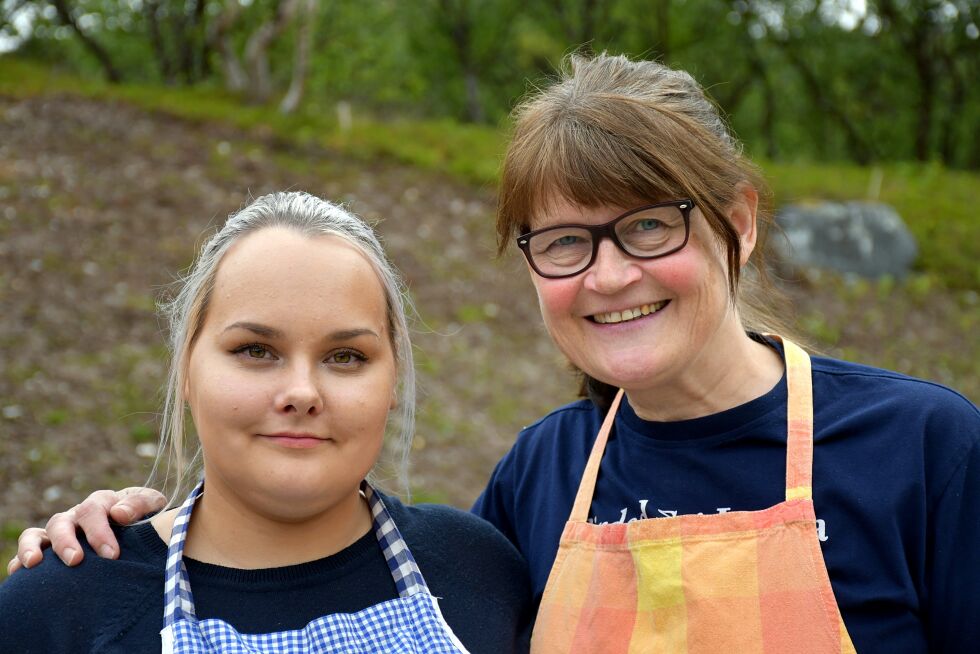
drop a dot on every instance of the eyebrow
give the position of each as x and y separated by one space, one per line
272 332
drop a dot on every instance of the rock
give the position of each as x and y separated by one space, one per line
860 238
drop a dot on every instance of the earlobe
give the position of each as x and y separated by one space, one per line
742 216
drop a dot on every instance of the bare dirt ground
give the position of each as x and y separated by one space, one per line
101 205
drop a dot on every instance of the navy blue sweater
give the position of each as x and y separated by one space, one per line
117 606
896 485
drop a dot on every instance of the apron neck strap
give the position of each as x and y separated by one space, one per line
799 436
408 578
799 421
586 489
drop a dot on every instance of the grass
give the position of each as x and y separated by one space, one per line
937 204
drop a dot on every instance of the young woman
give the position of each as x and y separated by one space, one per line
719 490
290 349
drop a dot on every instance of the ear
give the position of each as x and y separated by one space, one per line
742 216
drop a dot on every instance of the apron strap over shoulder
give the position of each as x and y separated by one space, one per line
586 489
799 422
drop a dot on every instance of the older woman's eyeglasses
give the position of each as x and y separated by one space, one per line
647 232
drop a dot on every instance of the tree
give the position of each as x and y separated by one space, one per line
101 55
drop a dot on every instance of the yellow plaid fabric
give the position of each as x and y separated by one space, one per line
738 582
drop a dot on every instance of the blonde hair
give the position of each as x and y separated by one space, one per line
615 132
187 309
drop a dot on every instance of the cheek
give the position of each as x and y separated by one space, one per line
556 297
218 399
690 272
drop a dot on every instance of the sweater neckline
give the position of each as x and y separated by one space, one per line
349 558
710 429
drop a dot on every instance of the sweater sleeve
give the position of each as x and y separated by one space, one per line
953 606
41 610
101 605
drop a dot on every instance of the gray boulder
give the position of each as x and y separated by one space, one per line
861 238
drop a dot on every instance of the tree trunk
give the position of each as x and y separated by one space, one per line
460 34
110 70
189 30
474 108
663 30
859 148
957 97
219 38
297 85
917 38
257 50
150 11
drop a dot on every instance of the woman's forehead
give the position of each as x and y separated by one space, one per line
558 209
280 272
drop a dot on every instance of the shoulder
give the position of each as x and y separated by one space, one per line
481 580
435 527
459 546
571 426
571 413
933 427
876 389
79 604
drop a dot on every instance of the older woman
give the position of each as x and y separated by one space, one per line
718 490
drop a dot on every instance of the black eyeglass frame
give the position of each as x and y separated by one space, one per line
599 232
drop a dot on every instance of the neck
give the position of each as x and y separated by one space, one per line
226 531
732 370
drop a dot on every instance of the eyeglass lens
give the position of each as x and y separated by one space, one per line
647 234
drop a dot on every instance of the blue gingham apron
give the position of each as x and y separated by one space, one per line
411 623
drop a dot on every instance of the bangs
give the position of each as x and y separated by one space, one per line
572 156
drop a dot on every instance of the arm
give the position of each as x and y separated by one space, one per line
954 603
92 517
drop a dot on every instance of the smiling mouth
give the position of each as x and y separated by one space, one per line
628 314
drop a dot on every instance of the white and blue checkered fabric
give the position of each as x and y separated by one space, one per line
405 572
411 623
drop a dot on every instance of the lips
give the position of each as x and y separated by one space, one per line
626 315
294 440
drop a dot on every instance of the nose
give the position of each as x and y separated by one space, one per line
612 269
300 393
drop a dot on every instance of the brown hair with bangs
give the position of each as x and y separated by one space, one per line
616 132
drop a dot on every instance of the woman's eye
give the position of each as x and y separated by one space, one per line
254 351
647 224
346 358
565 241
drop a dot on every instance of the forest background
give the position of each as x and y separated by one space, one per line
127 127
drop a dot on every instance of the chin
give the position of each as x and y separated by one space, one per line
295 505
627 372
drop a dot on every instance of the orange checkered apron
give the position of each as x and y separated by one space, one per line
739 582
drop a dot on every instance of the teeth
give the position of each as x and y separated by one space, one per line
629 314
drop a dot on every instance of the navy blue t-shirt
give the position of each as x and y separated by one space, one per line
896 485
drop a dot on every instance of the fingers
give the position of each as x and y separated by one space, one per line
61 534
135 503
29 546
92 517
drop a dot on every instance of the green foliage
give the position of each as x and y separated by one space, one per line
797 79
